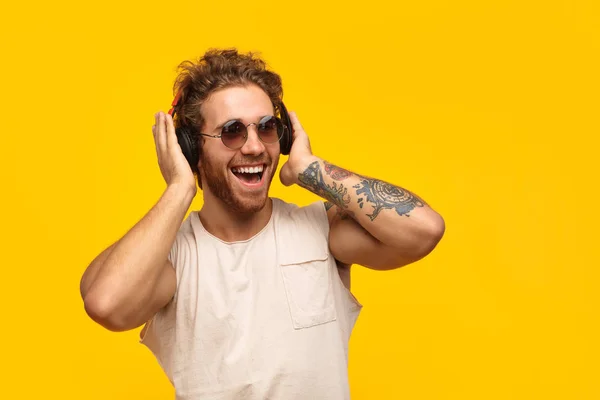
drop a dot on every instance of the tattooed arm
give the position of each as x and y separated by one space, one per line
373 223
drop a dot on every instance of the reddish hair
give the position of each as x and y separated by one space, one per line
219 69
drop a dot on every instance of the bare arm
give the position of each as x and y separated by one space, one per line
129 282
373 223
132 279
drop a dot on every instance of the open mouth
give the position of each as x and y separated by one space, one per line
249 175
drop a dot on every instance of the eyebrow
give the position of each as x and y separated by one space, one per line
223 124
218 127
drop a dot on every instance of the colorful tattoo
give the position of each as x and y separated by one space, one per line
337 173
312 179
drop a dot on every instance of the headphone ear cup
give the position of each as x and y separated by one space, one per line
189 146
286 140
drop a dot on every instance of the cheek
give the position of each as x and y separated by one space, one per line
215 166
213 160
275 154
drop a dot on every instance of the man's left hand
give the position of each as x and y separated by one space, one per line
300 154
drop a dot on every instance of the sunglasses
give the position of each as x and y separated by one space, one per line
234 134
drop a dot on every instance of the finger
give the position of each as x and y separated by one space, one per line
171 137
161 134
296 126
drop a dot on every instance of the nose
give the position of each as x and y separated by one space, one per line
253 145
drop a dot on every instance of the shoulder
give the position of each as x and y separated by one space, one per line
314 213
185 241
318 207
186 231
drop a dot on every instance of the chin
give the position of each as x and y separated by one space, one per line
249 198
251 202
240 198
242 189
247 206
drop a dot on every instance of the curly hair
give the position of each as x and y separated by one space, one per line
218 69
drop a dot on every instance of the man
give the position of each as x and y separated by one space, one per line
249 298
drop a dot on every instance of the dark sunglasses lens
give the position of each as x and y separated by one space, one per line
270 129
233 134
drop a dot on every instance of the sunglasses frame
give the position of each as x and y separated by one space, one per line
280 133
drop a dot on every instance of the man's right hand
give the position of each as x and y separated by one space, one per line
173 164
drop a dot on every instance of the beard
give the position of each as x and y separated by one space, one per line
223 188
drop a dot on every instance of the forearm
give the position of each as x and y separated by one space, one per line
391 214
131 267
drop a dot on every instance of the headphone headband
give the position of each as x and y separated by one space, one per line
175 103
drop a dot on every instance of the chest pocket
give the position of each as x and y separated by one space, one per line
306 269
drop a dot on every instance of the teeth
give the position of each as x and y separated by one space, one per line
248 170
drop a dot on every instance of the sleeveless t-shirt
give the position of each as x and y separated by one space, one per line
264 318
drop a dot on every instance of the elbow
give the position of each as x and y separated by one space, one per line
424 240
412 250
102 310
436 230
431 236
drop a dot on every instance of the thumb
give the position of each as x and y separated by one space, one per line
296 126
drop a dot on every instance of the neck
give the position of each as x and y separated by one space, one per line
230 226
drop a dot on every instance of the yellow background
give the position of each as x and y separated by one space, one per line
487 109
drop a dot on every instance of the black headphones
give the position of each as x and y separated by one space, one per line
188 138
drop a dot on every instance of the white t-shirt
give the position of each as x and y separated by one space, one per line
264 318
